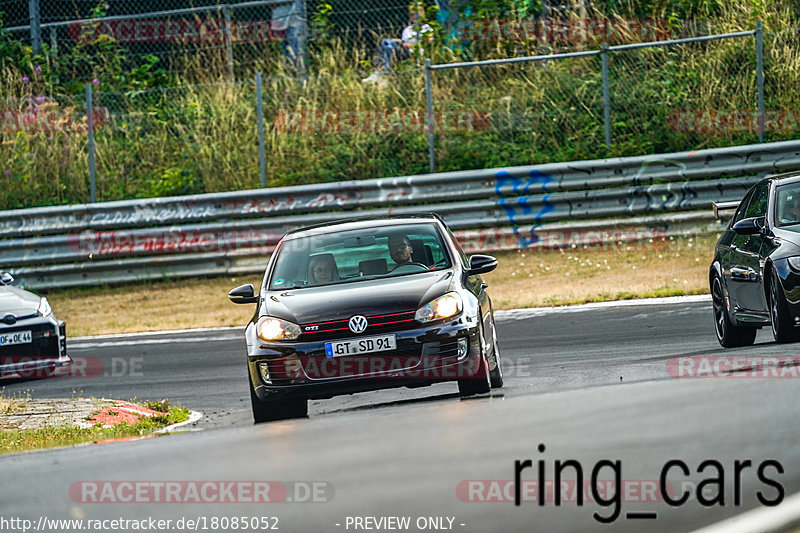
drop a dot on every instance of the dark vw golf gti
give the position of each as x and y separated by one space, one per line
755 275
368 304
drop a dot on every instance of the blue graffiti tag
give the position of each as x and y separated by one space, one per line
521 205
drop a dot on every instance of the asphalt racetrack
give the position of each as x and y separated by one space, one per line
590 384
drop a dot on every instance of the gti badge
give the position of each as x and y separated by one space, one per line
357 323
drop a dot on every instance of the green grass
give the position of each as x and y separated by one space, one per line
17 440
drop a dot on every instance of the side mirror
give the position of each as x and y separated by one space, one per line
6 278
243 294
749 226
481 264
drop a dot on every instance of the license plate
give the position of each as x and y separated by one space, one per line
380 343
17 337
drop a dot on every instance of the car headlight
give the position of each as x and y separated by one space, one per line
273 329
794 262
444 306
44 307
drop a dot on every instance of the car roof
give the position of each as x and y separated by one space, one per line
360 223
788 177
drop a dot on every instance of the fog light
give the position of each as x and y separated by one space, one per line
263 369
463 344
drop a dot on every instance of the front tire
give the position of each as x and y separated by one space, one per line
728 335
782 328
496 374
480 382
276 410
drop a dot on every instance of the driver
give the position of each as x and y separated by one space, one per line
400 249
792 214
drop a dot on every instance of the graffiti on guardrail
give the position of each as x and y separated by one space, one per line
165 212
536 180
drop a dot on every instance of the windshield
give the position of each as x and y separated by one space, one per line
787 208
351 256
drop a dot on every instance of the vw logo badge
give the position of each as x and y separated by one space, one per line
357 323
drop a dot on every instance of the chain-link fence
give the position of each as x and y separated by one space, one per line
631 99
332 126
241 32
172 31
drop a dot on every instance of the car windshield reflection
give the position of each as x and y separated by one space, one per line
358 255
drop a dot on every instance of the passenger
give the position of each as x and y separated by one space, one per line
791 211
322 269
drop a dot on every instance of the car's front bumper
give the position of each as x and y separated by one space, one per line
40 358
790 284
423 356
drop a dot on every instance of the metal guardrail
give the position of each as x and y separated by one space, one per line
490 209
759 159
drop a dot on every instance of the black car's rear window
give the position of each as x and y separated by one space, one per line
352 256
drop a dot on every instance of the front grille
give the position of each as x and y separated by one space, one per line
44 343
338 329
441 349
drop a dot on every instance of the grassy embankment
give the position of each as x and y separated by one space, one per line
162 140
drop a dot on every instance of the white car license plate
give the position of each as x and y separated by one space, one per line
379 343
17 337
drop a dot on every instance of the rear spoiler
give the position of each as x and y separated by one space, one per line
723 206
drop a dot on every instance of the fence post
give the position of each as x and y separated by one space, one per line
53 39
36 29
226 12
606 97
302 37
429 115
760 79
90 130
262 159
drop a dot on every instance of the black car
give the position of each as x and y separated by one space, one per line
368 304
755 275
33 342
